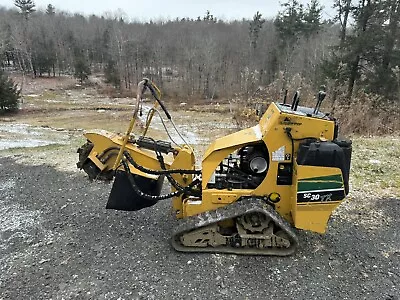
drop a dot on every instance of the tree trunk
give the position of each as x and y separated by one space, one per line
343 31
366 13
344 21
353 77
392 34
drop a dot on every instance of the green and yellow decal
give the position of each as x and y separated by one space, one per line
320 189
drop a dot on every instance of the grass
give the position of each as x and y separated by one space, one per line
375 165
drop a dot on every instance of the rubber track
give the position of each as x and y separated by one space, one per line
236 209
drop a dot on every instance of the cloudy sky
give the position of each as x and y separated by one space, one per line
169 9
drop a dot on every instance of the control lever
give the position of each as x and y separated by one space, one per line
285 97
296 100
321 97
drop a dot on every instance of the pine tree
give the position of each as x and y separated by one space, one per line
312 18
50 10
111 73
384 81
295 21
255 28
209 18
367 55
43 52
82 68
289 22
9 94
26 6
344 8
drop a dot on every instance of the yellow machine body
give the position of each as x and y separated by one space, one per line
272 131
289 170
103 140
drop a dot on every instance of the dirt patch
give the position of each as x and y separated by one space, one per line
26 136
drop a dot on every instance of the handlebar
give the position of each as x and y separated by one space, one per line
153 92
142 86
296 100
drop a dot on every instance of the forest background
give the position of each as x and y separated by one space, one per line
354 56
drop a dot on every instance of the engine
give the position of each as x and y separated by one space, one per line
244 169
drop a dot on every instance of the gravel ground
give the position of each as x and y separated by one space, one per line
57 241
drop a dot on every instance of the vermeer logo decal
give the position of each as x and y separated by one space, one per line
288 121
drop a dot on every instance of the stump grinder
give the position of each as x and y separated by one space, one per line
254 188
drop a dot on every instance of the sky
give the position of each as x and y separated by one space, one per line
145 10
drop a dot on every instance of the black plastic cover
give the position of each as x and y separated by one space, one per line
123 197
327 154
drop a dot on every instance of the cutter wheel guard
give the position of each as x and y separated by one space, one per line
254 187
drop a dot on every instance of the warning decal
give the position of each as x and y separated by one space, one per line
279 155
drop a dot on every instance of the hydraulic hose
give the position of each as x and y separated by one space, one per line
158 172
153 197
167 173
153 92
172 180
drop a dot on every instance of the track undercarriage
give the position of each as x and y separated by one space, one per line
248 226
292 159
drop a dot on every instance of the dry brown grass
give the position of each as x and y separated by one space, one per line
112 92
368 115
364 114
